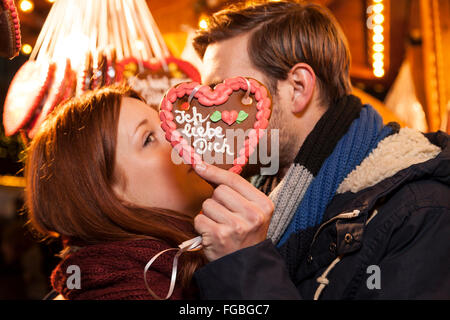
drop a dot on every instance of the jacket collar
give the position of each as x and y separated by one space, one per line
364 200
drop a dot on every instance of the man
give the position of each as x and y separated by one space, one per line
361 210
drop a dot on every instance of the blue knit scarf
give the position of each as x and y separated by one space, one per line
362 137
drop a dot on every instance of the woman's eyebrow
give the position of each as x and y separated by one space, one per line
144 121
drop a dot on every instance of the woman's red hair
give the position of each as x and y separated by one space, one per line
70 170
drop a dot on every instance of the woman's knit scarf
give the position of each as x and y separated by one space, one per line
115 271
340 141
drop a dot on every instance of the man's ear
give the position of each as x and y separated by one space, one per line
303 81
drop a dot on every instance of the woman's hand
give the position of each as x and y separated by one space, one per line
237 216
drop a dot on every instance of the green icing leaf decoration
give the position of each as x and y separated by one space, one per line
241 116
216 116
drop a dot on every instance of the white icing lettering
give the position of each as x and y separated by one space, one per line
200 135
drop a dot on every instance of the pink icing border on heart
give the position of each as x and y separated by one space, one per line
211 97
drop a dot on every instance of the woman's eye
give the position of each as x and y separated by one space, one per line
150 138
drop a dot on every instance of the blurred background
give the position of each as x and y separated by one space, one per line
399 65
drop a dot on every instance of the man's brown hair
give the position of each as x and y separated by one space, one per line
282 35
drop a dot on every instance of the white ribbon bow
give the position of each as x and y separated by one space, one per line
188 245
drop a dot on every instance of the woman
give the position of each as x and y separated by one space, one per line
100 175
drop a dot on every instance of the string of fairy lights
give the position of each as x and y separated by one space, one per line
375 25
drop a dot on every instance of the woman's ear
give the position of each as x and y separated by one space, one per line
303 81
118 183
118 190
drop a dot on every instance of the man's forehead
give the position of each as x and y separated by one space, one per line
226 59
227 49
215 64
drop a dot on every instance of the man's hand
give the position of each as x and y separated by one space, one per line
237 216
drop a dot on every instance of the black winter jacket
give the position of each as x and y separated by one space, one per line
388 241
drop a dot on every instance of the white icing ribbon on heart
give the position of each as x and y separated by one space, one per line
191 96
188 245
247 100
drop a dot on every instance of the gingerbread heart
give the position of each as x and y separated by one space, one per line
152 80
26 95
61 88
10 38
220 125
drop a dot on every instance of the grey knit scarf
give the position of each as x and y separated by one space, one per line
320 143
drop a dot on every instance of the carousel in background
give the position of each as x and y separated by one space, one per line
84 45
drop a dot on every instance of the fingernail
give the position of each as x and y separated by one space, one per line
200 167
